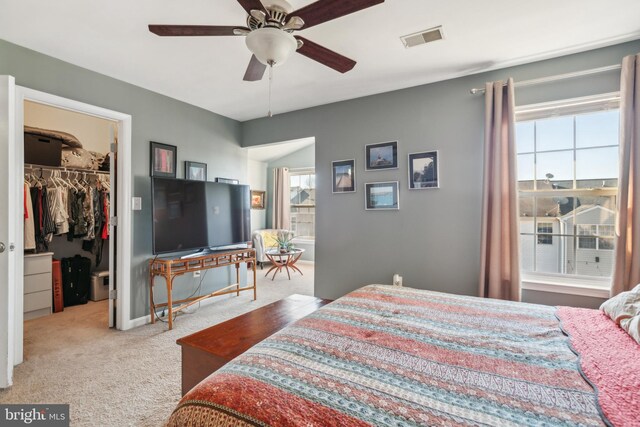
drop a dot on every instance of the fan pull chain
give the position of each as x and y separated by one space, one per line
270 84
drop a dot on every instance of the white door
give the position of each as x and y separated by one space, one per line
9 210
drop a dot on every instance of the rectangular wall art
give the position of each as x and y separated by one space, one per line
381 156
343 176
424 170
381 195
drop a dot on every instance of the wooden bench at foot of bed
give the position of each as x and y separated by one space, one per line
208 350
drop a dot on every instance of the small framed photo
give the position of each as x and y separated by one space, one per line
257 199
227 180
382 156
343 176
195 171
163 160
424 170
381 196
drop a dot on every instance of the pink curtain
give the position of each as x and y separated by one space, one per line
500 261
281 199
627 262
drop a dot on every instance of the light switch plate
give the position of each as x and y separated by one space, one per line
136 202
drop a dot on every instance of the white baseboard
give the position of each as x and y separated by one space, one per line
144 320
140 321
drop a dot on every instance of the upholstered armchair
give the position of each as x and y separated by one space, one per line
265 239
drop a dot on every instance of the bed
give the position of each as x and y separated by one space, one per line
393 356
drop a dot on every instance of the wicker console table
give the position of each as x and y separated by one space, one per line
170 268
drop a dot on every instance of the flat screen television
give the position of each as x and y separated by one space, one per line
195 215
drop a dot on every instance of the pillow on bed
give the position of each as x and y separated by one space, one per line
632 326
623 306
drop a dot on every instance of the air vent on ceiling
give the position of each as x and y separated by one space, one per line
423 37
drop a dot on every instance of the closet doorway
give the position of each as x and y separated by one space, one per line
70 183
118 252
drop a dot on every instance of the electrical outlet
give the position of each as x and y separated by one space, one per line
196 274
397 280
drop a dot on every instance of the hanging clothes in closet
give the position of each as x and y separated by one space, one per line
77 208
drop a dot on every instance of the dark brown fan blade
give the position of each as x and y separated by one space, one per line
325 56
192 30
250 5
255 70
326 10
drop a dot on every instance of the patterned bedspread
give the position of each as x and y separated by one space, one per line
390 356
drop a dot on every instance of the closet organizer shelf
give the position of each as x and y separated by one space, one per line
65 169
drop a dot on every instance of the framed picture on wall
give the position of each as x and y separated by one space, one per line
424 170
381 156
343 176
163 160
195 171
257 199
381 196
227 180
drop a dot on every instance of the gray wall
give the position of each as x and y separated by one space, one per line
302 158
550 298
258 181
199 134
433 241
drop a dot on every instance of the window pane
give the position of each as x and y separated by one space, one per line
525 137
596 210
304 181
554 134
548 209
544 233
547 255
598 166
555 170
527 244
597 129
586 230
586 242
545 239
526 210
605 244
526 169
606 230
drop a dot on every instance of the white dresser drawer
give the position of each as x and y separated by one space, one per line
37 282
37 300
36 264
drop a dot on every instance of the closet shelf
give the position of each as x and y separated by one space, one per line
64 169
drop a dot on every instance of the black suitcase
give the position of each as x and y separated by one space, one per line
76 280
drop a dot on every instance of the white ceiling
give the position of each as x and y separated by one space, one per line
111 37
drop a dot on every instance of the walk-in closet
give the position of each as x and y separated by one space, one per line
69 189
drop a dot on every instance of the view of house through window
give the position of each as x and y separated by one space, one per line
567 178
303 203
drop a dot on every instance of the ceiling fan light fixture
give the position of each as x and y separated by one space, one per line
271 46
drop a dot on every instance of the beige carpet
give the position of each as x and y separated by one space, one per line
114 378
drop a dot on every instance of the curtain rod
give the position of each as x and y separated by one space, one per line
476 91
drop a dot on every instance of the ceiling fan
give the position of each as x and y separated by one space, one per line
269 29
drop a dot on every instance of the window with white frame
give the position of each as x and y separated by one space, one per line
303 202
595 236
545 236
567 179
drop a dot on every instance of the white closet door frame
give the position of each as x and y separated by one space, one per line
123 193
9 216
